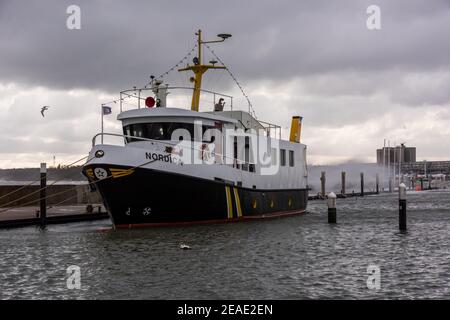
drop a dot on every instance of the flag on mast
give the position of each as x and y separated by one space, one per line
106 110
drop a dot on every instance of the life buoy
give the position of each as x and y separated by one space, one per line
150 102
206 152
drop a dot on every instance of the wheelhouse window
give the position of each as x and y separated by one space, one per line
158 130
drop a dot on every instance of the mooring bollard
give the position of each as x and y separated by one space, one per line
331 202
43 195
402 206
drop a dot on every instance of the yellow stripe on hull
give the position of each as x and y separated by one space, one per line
118 173
229 202
238 202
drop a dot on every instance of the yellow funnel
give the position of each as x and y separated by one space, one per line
296 129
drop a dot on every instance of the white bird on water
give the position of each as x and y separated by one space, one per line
44 108
184 247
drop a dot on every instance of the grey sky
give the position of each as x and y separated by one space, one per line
314 58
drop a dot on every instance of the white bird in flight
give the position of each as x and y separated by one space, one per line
44 108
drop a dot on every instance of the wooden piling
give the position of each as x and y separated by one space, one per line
322 183
343 182
362 184
377 184
43 195
402 207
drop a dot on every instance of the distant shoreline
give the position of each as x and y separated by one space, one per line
28 175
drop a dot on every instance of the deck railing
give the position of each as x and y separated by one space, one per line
137 96
235 162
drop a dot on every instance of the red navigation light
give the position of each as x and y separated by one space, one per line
150 102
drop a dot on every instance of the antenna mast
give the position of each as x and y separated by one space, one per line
199 69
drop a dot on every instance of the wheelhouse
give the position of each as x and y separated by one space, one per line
171 124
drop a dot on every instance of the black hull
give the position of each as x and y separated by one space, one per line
143 197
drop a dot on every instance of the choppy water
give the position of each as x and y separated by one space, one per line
288 258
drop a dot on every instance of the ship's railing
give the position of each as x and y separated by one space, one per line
234 162
272 130
136 97
125 136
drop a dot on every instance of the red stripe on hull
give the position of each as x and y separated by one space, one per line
184 223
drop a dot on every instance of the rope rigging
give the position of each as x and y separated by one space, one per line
172 68
37 191
38 180
64 191
251 109
161 76
180 62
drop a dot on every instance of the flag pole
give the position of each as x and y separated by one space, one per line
102 123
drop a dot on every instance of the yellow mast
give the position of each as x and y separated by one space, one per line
199 69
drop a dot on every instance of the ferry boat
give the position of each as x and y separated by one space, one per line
179 166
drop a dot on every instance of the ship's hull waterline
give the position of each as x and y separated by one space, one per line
138 197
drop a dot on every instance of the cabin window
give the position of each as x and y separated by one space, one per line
159 130
282 157
291 158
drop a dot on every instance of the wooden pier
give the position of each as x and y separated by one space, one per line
29 216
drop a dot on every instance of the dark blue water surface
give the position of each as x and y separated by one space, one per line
287 258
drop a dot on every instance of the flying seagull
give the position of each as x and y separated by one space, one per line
44 108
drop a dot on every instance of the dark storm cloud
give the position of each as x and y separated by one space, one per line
122 42
317 59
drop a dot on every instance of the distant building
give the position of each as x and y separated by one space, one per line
396 154
426 167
